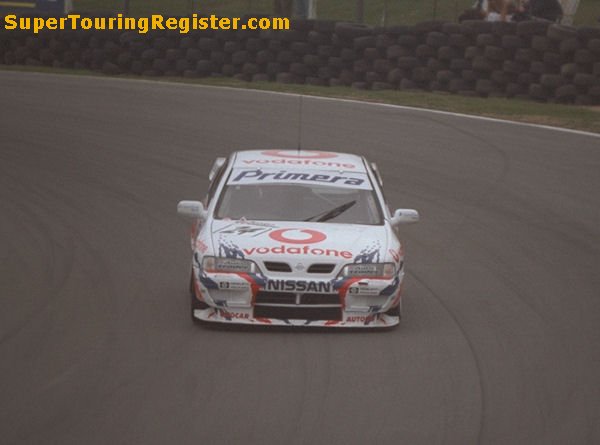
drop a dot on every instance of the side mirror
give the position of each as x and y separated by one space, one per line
404 216
191 209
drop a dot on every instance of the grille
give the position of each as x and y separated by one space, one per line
318 299
298 313
289 298
275 298
275 266
321 268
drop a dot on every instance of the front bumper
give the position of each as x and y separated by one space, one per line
249 299
238 316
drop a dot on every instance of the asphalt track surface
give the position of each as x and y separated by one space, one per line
499 344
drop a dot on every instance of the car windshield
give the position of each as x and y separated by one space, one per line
299 202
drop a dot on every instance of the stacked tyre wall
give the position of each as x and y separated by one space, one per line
529 60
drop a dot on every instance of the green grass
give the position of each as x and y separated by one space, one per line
398 11
566 116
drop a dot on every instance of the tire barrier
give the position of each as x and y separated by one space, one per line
533 60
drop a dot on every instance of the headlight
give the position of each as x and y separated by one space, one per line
219 264
384 270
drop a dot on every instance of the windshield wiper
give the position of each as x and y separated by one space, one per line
330 214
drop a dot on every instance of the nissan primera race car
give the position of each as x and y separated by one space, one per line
296 238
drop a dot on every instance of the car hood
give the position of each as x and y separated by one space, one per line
299 243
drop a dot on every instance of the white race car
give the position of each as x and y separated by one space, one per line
296 238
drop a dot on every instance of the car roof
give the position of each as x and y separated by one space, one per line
294 159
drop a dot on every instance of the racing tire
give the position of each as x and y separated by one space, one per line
457 40
195 303
395 312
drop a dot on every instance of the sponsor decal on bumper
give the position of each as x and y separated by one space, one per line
217 315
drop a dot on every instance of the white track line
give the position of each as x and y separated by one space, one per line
334 99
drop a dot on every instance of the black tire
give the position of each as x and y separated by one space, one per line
381 66
444 76
264 56
205 67
514 67
408 62
378 86
250 69
538 92
512 89
186 43
394 312
313 60
552 58
484 87
254 44
504 28
318 38
348 55
552 81
193 54
484 64
566 93
457 85
325 50
239 57
207 44
436 39
558 32
407 84
447 53
495 53
584 56
484 40
372 76
458 40
425 51
232 46
569 69
538 68
585 80
173 54
459 64
194 302
408 41
541 43
588 32
525 55
475 27
532 27
436 65
422 74
512 42
594 46
568 46
260 77
451 28
361 43
110 69
473 51
352 30
371 54
469 75
584 99
396 75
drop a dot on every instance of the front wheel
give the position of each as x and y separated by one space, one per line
395 311
195 303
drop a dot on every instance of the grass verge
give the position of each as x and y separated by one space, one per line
566 116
